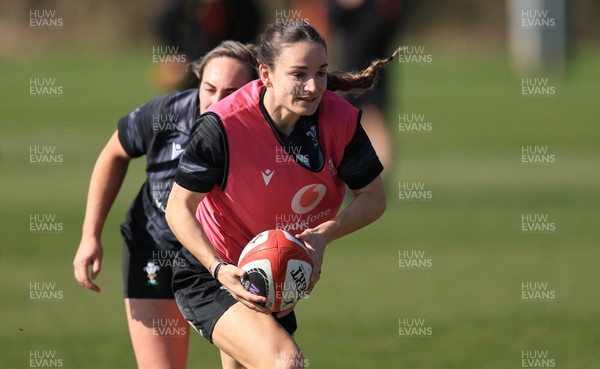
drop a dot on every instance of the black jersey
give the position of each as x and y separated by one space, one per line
204 163
159 129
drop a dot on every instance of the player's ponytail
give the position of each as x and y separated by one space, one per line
358 82
277 36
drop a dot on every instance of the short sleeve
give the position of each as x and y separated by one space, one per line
203 165
135 130
360 164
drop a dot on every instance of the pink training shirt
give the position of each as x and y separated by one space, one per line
266 188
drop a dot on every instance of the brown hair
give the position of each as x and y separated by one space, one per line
358 82
276 36
230 49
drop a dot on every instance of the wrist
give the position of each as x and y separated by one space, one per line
91 231
328 230
90 237
218 267
211 267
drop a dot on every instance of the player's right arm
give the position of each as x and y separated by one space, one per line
181 216
107 177
201 168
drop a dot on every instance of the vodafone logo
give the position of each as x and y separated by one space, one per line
308 197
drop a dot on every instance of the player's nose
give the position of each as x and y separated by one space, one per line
311 86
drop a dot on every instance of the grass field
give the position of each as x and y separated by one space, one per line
469 300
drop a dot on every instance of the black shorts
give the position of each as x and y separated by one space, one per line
203 300
147 270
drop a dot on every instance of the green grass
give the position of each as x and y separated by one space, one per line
470 297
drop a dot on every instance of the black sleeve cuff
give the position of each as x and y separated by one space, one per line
124 139
365 178
192 184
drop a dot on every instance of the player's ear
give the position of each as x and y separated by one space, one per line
264 73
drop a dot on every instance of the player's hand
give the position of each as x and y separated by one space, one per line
89 254
315 243
230 276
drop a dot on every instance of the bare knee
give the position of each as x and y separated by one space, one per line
289 356
159 334
227 362
262 344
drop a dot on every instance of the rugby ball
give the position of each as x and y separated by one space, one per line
278 267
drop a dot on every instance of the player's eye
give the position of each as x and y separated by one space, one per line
298 76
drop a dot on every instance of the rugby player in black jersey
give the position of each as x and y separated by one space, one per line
160 130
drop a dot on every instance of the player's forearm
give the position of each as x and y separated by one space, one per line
188 231
368 204
181 217
107 177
